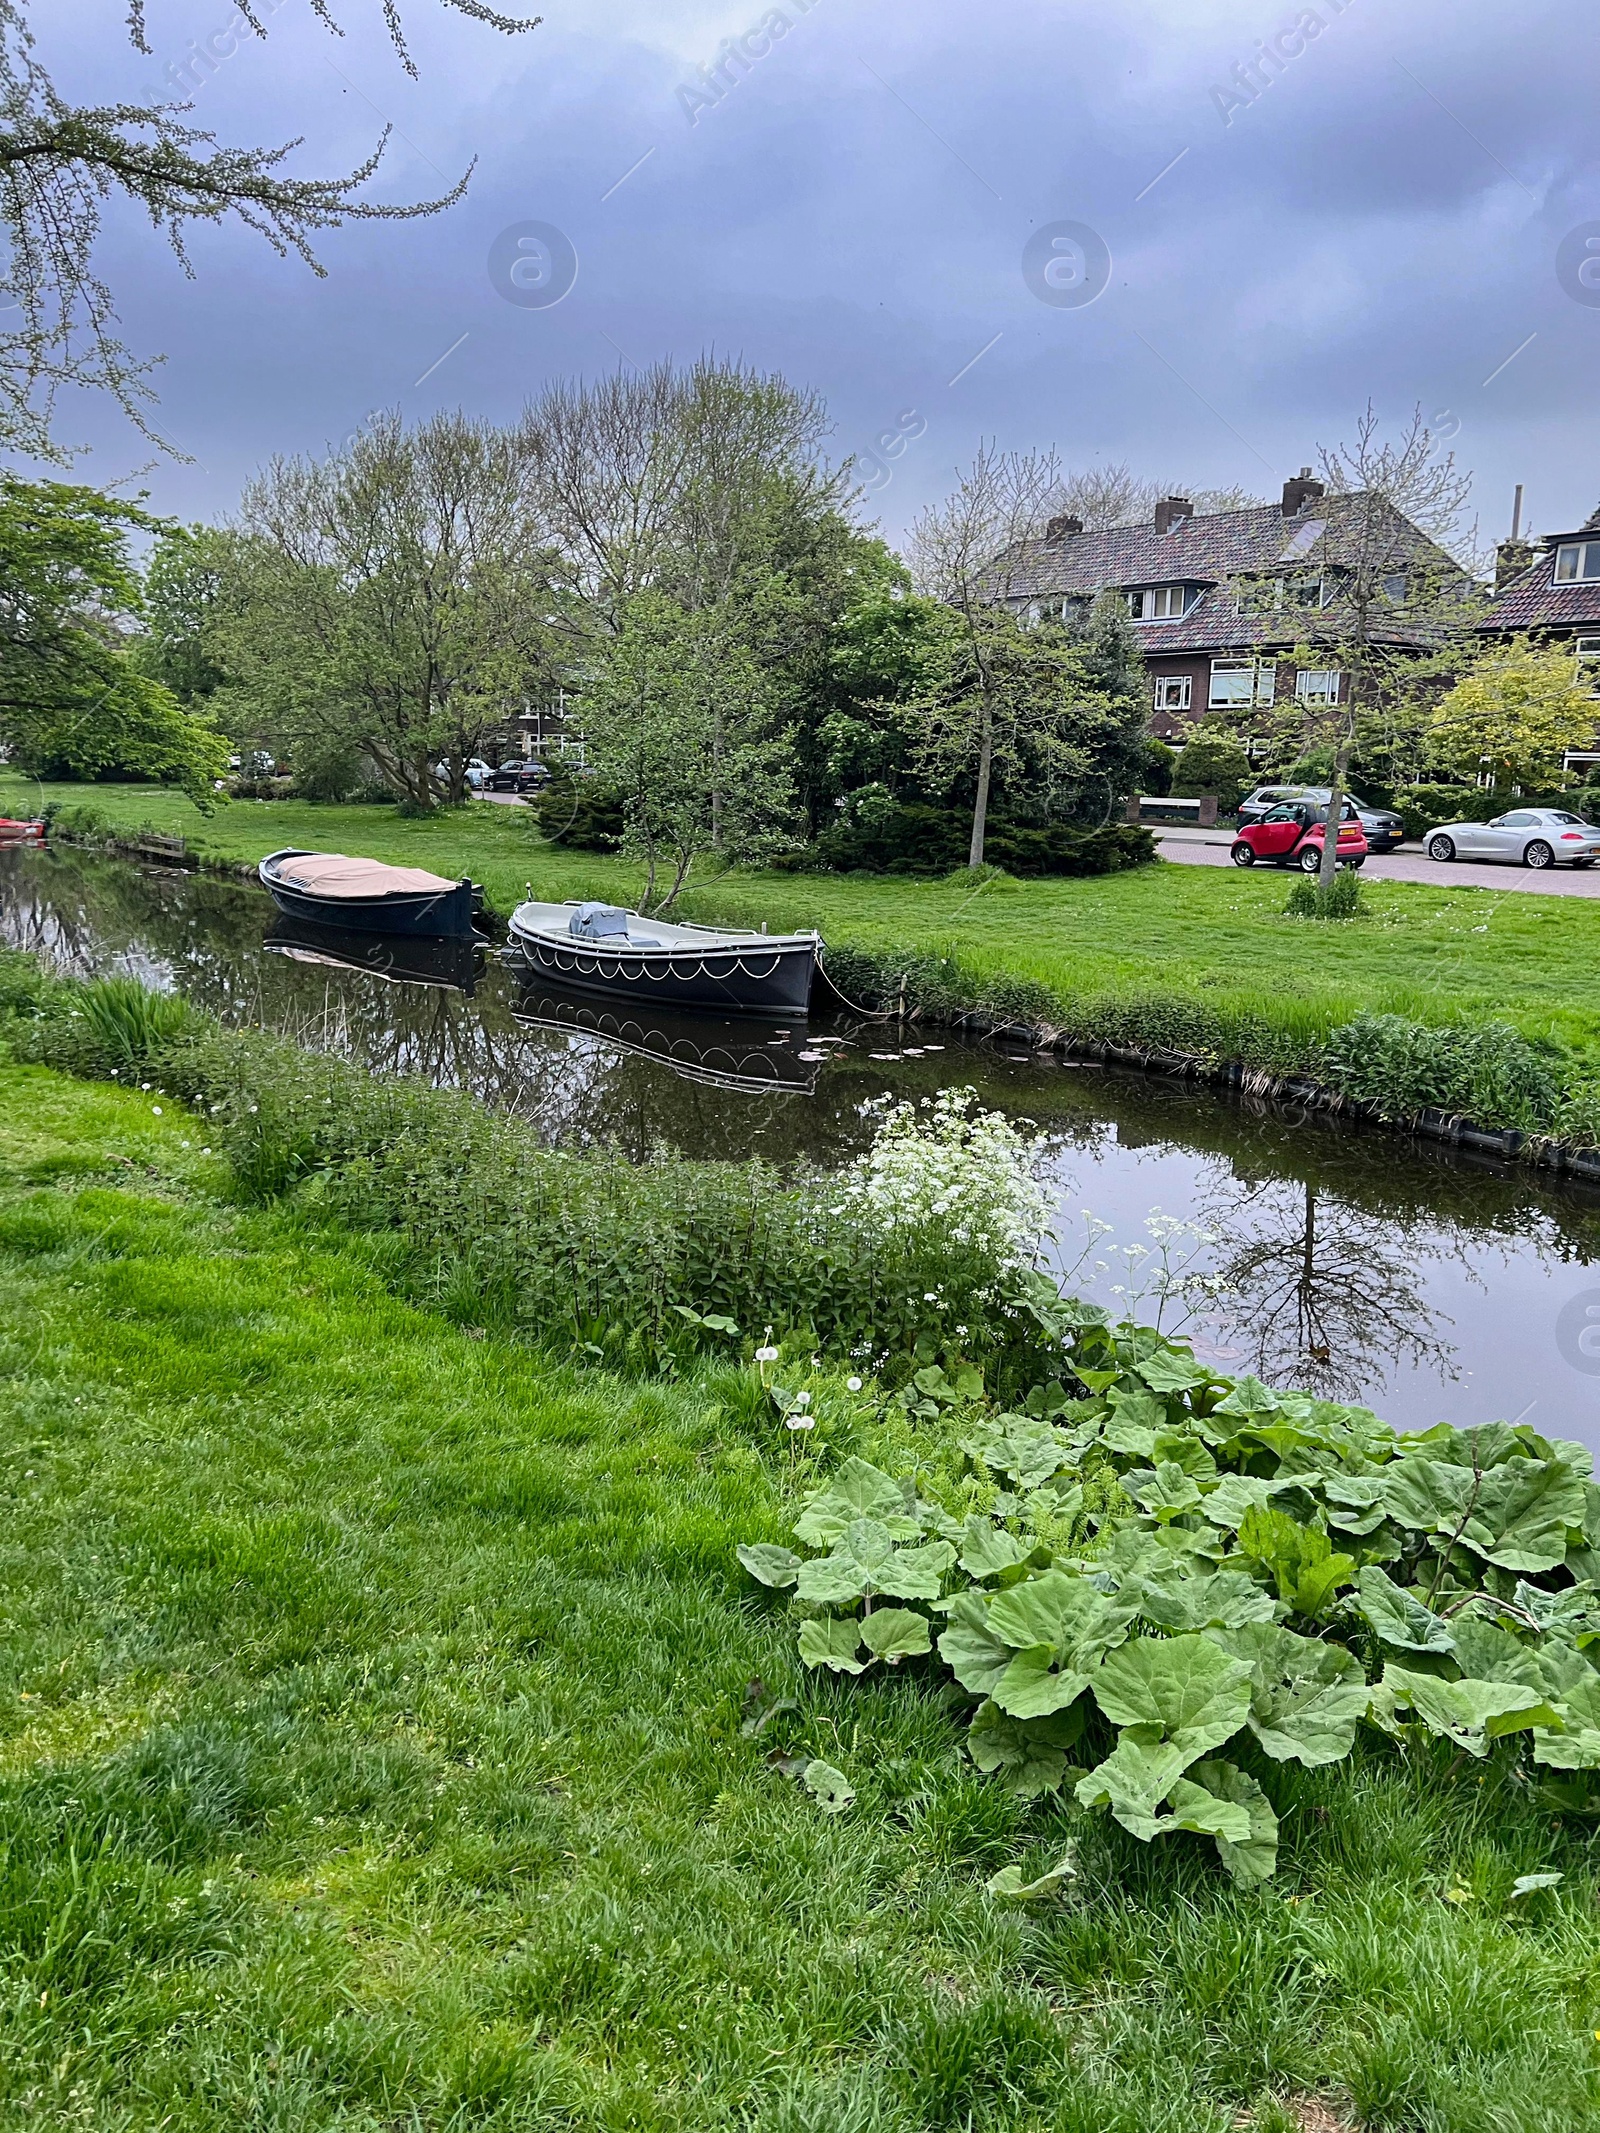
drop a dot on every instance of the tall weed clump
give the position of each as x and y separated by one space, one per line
1492 1074
910 1255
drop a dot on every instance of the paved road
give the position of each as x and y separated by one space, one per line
1209 848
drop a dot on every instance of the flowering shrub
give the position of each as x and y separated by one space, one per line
955 1174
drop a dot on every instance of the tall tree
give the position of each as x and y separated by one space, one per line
395 596
72 701
971 553
1384 599
61 164
675 723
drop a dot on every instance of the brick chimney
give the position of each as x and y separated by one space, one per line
1057 529
1301 490
1171 510
1511 559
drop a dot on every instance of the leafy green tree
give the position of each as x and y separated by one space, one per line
1212 763
392 600
1515 712
677 723
182 584
72 701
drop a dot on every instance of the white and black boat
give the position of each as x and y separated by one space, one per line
364 895
600 949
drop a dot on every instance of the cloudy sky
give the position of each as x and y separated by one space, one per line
1389 204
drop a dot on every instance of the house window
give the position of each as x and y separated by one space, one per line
1242 681
1317 685
1173 692
1588 651
1577 560
1156 603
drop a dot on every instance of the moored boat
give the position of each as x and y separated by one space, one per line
364 895
598 948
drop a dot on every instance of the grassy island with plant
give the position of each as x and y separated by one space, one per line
404 1721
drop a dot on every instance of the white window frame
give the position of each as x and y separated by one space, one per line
1318 685
1586 653
1585 556
1260 677
1158 603
1173 692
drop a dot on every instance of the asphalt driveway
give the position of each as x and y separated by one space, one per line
1209 848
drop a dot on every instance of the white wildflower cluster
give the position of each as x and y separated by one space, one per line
1160 1282
960 1175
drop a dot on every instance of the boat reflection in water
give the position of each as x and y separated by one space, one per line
734 1053
402 959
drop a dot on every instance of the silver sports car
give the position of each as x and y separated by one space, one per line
1528 836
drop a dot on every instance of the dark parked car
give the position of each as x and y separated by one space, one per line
518 776
1382 828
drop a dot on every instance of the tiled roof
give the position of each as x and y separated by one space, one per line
1222 544
1208 552
1534 601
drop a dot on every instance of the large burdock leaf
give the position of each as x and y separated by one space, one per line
832 1641
971 1650
1030 1754
895 1633
1064 1611
916 1573
1170 1370
1254 1857
1248 1400
987 1549
1429 1495
1575 1743
1030 1689
1192 1807
1135 1778
1227 1599
1235 1495
1354 1501
1522 1511
1167 1492
774 1566
1306 1698
1021 1446
858 1490
1188 1687
1470 1713
1398 1616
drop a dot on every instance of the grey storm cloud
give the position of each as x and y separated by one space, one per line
1304 207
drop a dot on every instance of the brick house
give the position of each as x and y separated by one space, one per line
1552 592
1220 601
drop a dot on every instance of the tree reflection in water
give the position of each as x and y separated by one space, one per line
1318 1291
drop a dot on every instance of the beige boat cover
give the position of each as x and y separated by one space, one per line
332 874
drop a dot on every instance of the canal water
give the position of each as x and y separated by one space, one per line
1427 1284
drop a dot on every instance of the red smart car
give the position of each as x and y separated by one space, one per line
1292 836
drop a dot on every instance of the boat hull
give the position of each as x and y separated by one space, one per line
429 913
751 978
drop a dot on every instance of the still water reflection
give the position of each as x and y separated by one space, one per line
1422 1282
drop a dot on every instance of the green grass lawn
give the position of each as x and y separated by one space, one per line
1199 931
371 1758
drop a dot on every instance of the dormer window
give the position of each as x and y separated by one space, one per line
1157 603
1577 561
